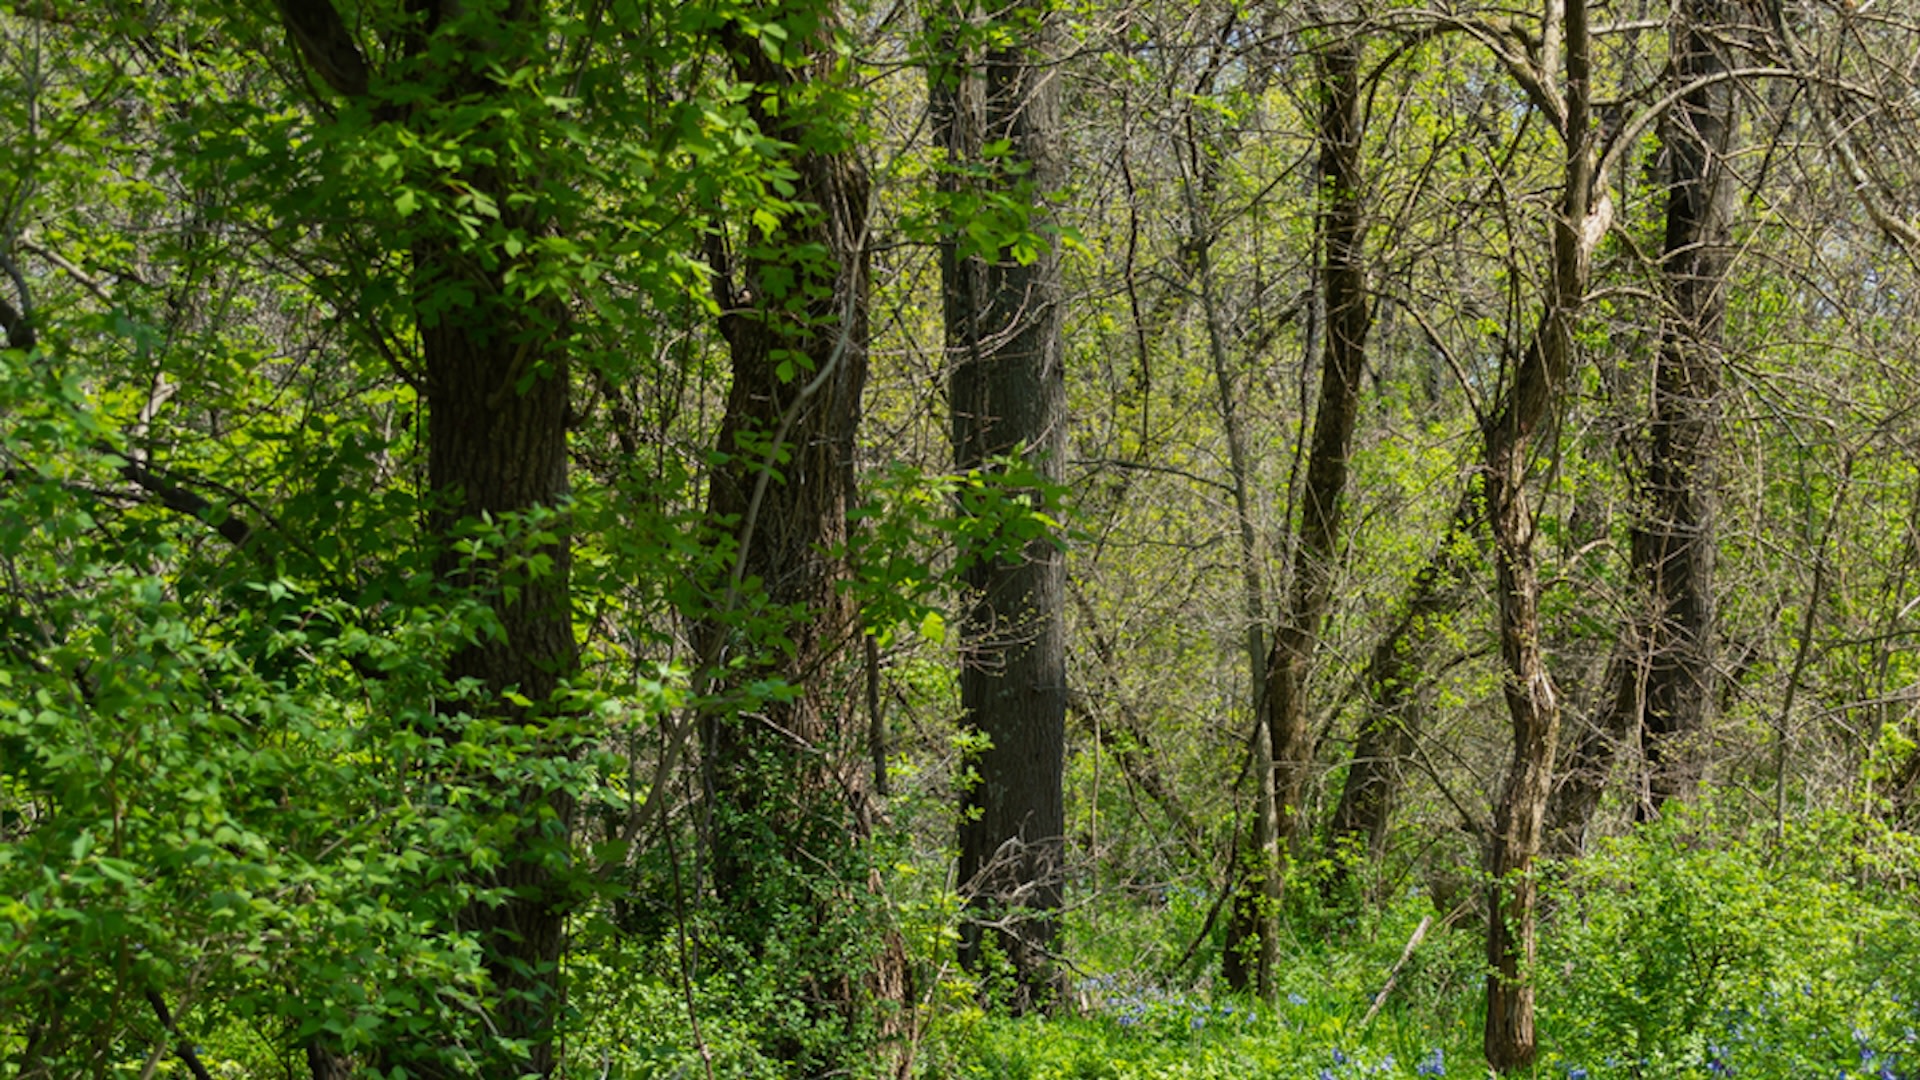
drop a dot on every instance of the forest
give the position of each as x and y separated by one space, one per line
959 538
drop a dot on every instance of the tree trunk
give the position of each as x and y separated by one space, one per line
1533 402
1008 396
1252 947
1349 318
496 366
787 787
1673 544
1661 683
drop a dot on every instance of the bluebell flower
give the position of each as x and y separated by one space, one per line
1575 1072
1339 1056
1326 1074
1435 1064
1296 999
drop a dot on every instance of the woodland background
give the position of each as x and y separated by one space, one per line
634 538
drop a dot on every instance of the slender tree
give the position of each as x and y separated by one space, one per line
1512 435
1349 315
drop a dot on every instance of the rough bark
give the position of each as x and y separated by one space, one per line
786 779
496 382
1673 543
1662 683
1511 437
1322 504
1008 396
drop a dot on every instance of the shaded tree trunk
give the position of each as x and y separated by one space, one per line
1673 544
788 790
1322 506
1007 390
496 388
1661 682
1252 947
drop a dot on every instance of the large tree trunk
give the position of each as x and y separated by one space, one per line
787 787
497 369
1661 683
1008 396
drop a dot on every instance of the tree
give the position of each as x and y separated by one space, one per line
1663 681
495 364
1533 398
1007 398
790 802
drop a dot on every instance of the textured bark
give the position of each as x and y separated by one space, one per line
1322 505
1007 391
496 382
1673 544
786 778
1533 402
1662 682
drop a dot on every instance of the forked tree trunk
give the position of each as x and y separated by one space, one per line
1283 763
1007 387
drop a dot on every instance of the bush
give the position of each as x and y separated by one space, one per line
1677 952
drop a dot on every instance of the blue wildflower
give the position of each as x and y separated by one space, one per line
1296 999
1434 1064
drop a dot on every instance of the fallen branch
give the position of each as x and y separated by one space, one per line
1406 954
